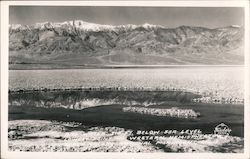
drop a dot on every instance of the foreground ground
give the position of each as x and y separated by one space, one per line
51 136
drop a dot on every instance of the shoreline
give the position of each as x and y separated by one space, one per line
41 66
195 97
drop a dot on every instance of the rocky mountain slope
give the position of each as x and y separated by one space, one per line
82 43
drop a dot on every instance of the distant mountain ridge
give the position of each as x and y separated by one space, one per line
82 43
79 24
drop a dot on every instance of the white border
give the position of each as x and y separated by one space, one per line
4 80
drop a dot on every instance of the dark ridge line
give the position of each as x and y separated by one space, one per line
51 66
118 89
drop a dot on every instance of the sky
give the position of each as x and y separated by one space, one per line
211 17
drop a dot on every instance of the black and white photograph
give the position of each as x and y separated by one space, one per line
126 79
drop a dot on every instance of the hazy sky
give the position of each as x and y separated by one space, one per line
166 16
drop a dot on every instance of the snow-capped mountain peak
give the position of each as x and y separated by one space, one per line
15 26
150 26
83 25
18 27
235 26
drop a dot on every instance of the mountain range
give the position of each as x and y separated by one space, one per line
79 43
